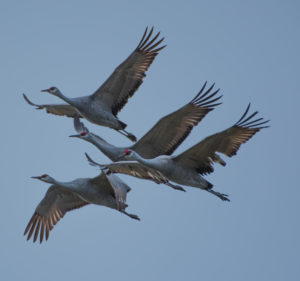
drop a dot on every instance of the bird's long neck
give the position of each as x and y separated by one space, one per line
66 185
59 94
147 162
111 151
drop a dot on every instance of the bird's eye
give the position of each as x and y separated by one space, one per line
52 88
83 133
127 151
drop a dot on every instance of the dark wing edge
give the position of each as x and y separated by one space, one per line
147 52
128 76
56 109
170 131
247 128
202 156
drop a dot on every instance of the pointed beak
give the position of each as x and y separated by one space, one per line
36 177
74 136
46 90
121 157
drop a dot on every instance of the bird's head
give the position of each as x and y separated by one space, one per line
45 178
127 154
52 90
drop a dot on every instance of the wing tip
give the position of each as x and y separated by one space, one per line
246 122
147 45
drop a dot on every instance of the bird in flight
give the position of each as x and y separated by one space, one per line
103 105
61 197
188 167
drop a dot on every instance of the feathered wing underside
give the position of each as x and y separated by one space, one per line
132 168
56 109
136 169
170 131
50 210
202 156
128 76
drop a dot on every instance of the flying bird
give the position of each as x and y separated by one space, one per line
188 167
102 107
61 197
166 135
135 169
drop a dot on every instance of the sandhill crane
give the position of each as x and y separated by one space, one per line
187 167
135 169
102 107
166 135
61 197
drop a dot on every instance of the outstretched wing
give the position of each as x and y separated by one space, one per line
111 185
202 156
120 190
103 183
79 126
136 169
57 109
170 131
132 168
50 210
128 76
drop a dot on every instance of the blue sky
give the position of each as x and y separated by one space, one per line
249 49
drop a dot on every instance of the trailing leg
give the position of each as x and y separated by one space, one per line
127 135
177 187
222 196
135 217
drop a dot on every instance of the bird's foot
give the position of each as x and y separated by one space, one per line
222 196
131 137
177 187
127 135
135 217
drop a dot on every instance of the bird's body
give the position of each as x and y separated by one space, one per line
89 191
94 111
171 170
135 169
103 105
61 197
175 172
188 167
165 136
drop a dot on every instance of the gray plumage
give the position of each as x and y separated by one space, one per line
102 107
61 197
135 169
188 167
165 136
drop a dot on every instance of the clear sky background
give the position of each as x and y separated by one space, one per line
249 48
